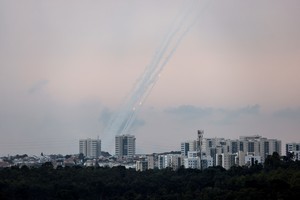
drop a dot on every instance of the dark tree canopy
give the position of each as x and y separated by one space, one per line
278 179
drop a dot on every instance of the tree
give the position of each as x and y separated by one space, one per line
272 162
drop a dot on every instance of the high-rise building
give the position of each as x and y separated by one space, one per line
250 144
125 145
268 147
185 147
226 160
188 146
90 147
206 161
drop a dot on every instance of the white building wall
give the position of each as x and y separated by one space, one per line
151 162
90 147
161 161
226 160
192 163
125 145
292 147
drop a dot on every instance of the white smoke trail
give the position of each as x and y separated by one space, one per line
123 120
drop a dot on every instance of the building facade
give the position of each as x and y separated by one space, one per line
90 148
247 150
141 165
292 147
125 145
188 146
192 160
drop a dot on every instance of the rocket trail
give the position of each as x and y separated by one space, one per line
122 121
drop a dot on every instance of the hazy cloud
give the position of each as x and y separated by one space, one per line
290 113
247 110
228 116
190 111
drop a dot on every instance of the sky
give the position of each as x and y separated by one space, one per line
67 66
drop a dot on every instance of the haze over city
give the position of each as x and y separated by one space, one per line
67 66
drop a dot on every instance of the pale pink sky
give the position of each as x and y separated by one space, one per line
66 66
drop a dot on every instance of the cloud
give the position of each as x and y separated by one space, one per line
247 110
38 86
217 115
290 113
190 111
228 116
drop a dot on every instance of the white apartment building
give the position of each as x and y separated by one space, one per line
268 147
240 159
173 161
188 146
206 161
125 145
226 160
292 147
90 148
141 165
161 162
151 162
192 161
226 152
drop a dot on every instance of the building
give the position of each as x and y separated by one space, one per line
192 161
296 155
125 145
292 147
206 162
250 144
175 161
161 162
240 159
226 160
185 147
213 146
90 148
251 160
188 146
232 146
151 161
141 165
268 147
259 146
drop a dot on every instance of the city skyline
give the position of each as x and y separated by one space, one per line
67 67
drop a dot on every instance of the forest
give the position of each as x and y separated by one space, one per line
278 178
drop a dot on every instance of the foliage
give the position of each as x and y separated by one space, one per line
278 179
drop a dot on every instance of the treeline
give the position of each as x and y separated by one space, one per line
277 179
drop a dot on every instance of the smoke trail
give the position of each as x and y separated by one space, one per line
123 120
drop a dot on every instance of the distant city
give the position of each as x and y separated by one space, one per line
199 153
